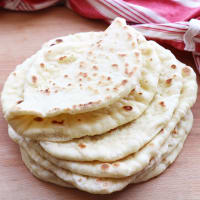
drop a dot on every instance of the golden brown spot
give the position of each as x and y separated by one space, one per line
57 122
81 145
47 91
95 67
140 93
133 44
49 51
38 119
53 84
65 75
107 89
108 78
104 166
186 71
79 120
162 103
173 66
174 132
114 65
80 85
20 101
59 40
14 73
90 52
69 84
168 81
62 58
115 88
56 91
124 82
128 108
34 79
66 60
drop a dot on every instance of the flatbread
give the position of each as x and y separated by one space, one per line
61 66
108 185
102 120
65 126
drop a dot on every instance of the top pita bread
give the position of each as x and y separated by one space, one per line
65 126
79 73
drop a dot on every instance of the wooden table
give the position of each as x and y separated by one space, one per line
21 34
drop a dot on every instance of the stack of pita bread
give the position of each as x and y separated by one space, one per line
100 110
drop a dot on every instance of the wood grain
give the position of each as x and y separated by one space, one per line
21 35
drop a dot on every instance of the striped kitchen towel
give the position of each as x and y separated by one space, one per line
174 22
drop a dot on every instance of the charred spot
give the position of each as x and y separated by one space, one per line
109 78
20 101
128 108
47 91
62 58
174 132
173 66
114 65
140 93
168 81
42 65
104 166
124 82
52 45
95 67
162 103
57 122
81 145
34 79
59 40
38 119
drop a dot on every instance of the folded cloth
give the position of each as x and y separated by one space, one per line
174 22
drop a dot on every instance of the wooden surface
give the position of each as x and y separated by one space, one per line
21 34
